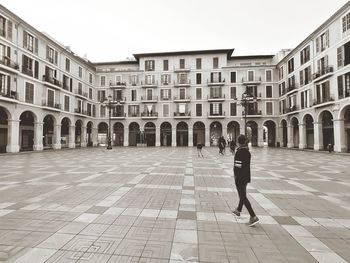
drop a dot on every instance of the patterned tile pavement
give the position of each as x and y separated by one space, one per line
168 205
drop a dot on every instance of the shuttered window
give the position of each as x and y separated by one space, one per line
29 96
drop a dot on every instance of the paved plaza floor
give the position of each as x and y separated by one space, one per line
168 205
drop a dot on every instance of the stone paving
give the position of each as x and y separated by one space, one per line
168 205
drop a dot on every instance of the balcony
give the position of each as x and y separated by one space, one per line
117 84
51 105
253 113
149 99
81 94
27 71
220 97
182 115
134 114
324 73
11 66
291 110
118 115
291 89
216 82
117 100
318 103
255 81
10 96
219 115
149 115
80 111
182 83
182 69
52 82
182 99
149 84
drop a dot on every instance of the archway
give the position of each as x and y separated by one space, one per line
252 132
295 127
165 134
65 123
150 134
270 135
102 133
309 126
182 134
198 133
89 133
215 133
347 128
327 129
233 130
48 131
118 129
78 133
284 133
3 130
26 131
134 134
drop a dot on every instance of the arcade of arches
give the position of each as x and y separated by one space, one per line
30 132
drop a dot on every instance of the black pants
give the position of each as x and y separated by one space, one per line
243 200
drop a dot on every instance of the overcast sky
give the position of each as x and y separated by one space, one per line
110 30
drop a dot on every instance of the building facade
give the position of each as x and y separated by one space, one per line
52 98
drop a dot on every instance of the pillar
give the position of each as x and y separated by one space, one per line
207 136
126 137
302 136
261 136
173 137
71 142
279 135
339 136
57 137
290 141
190 137
12 136
83 136
94 132
158 136
38 136
318 136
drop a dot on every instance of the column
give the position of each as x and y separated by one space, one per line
12 136
302 136
190 137
290 143
83 136
339 136
126 136
38 136
279 135
57 137
71 142
207 136
173 137
318 136
157 136
94 132
261 136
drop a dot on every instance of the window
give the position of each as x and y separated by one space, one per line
103 81
166 110
165 94
268 75
291 83
90 93
182 93
282 88
149 94
165 65
322 93
322 66
199 110
103 111
215 109
250 75
29 97
30 42
343 55
80 88
117 95
233 77
51 55
90 78
215 77
233 109
215 92
305 55
305 76
322 42
252 91
233 93
216 62
133 80
27 65
66 103
50 98
305 99
198 63
101 95
88 109
269 108
198 78
198 93
344 86
291 65
134 110
149 79
268 91
149 65
2 26
346 22
133 95
182 78
67 65
182 63
165 78
5 84
80 72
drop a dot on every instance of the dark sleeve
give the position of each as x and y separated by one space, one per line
246 163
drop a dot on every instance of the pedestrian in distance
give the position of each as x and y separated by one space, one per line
330 148
241 169
199 150
233 146
220 145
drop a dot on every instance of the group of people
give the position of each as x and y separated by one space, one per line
222 145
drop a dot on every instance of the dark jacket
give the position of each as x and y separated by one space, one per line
241 167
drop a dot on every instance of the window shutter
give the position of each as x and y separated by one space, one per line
219 76
340 87
47 52
309 74
327 38
340 56
56 57
211 77
25 39
8 52
8 84
36 44
317 44
9 30
36 69
220 109
71 85
211 108
326 61
24 61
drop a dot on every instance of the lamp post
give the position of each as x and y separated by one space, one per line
109 105
246 99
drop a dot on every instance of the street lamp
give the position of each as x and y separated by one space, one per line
246 99
109 105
